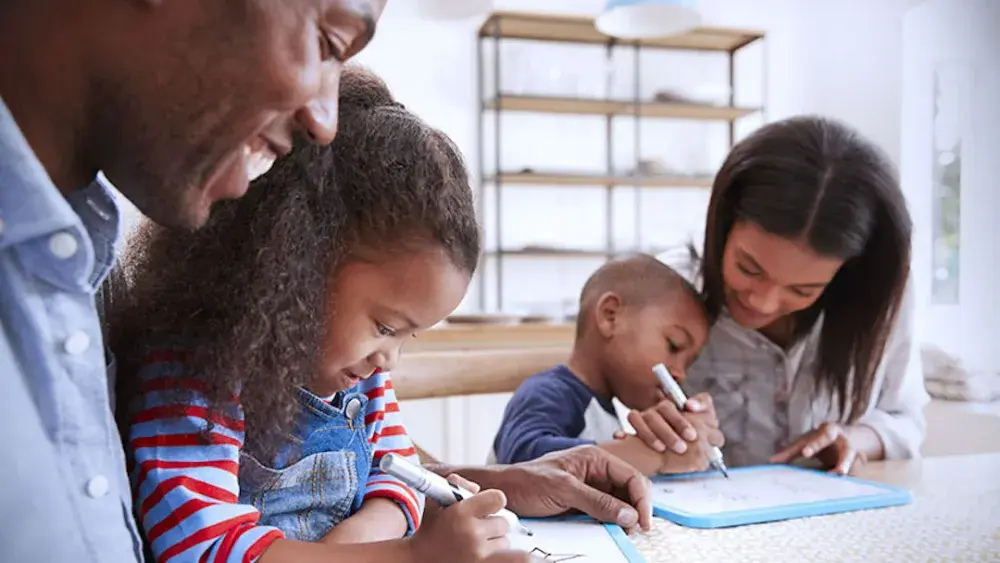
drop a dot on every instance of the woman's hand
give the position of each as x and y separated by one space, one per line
830 444
663 426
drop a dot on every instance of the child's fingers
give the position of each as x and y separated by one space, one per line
638 422
511 557
702 402
463 483
656 433
492 527
679 424
714 437
483 504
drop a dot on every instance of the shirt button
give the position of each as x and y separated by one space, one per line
63 245
77 343
97 487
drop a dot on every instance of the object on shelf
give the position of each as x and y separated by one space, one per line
650 167
675 97
483 318
537 319
545 250
647 19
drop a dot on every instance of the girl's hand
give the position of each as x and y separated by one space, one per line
466 531
664 427
829 444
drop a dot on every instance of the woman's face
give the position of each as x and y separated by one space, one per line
766 277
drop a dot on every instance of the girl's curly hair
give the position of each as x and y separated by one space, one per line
245 295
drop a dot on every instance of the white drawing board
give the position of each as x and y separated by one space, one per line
576 540
763 494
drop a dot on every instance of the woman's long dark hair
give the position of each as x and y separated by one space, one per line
248 290
817 180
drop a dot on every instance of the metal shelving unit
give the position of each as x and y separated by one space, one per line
580 30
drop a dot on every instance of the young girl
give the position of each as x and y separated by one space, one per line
805 267
262 345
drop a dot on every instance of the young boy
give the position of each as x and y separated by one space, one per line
634 313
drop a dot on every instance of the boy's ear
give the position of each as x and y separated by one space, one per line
609 314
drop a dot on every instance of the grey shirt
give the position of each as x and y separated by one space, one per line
65 495
766 396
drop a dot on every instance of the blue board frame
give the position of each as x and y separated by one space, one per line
891 496
618 535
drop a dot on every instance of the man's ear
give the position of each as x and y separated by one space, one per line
609 314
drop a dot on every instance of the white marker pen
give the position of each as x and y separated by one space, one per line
674 391
438 488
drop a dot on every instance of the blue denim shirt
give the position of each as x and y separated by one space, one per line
64 494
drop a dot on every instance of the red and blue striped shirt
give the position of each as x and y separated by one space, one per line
186 487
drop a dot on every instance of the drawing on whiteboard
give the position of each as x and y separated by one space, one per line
758 489
546 556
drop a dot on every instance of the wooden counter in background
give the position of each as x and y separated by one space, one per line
492 337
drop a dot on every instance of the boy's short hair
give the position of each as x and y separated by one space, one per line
638 280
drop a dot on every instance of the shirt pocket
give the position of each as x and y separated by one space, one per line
304 500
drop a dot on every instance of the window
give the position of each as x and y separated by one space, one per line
949 93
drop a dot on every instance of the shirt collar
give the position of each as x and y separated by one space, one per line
30 204
31 207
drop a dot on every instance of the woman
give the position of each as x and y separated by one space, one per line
805 268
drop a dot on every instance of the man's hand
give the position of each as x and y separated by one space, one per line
584 478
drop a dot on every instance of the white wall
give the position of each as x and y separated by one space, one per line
963 36
822 57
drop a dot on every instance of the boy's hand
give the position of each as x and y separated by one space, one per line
662 426
466 531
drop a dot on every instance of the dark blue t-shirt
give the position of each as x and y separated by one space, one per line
552 411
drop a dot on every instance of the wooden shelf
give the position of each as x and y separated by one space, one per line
583 106
581 29
567 179
540 252
543 252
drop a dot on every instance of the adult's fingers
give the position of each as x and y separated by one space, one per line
463 483
847 458
822 438
483 504
793 450
609 471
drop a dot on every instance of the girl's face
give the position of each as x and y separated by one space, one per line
766 277
374 307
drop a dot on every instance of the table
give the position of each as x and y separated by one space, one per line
955 516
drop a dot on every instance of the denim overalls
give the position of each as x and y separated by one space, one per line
319 478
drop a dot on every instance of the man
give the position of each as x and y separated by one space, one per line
180 104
